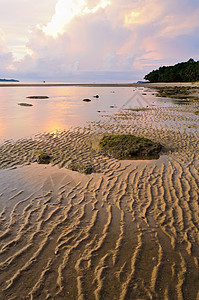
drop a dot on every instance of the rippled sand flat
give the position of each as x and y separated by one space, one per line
127 231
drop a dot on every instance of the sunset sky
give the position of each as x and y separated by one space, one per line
95 40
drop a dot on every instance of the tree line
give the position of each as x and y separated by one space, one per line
181 72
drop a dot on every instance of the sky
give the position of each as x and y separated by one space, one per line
95 40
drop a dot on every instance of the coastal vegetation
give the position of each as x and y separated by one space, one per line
181 72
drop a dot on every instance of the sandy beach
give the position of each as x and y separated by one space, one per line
129 230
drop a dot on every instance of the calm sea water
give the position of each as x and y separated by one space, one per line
64 108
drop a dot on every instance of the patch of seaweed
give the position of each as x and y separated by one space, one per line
79 167
127 146
187 93
43 158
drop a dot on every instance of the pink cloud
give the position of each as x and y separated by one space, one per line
122 36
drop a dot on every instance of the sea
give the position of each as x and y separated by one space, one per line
64 108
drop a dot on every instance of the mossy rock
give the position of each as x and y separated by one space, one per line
43 158
127 146
197 112
81 168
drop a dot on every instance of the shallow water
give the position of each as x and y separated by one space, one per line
65 107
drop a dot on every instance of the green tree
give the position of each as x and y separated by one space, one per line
184 72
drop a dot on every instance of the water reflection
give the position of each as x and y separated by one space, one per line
64 107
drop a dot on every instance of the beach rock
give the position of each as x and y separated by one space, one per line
25 104
86 100
96 96
79 167
43 158
37 97
127 146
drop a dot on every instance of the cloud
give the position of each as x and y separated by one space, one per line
86 46
19 18
81 37
67 10
6 57
181 24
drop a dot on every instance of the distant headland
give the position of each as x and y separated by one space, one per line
8 80
181 72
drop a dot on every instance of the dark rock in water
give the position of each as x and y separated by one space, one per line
96 96
86 100
127 146
37 97
24 104
43 158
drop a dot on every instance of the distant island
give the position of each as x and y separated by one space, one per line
8 80
181 72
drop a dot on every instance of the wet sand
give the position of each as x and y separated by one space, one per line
127 231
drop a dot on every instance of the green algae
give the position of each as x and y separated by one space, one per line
127 146
43 158
79 167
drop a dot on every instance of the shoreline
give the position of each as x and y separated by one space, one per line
101 84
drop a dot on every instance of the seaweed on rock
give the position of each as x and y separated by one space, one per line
43 158
127 146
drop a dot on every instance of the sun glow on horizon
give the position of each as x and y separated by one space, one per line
67 10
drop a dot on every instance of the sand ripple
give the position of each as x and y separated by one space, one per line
127 231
